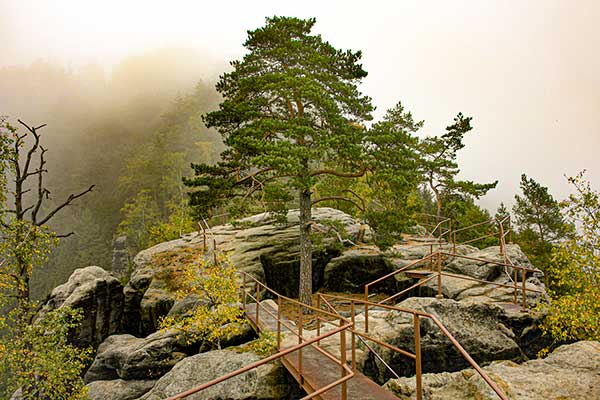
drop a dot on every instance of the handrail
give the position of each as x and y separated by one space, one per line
402 269
296 302
265 361
416 314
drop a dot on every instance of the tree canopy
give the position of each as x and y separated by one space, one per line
291 115
439 167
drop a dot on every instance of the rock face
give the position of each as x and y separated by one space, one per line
128 357
269 381
570 372
120 256
354 268
99 294
488 332
257 245
118 389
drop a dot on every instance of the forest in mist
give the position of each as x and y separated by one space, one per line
109 129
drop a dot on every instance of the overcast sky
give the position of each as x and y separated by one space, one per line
526 71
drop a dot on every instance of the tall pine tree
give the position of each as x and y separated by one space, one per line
291 115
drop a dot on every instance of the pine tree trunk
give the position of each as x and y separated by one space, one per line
305 290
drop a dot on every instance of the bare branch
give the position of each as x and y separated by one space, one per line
63 205
65 235
41 190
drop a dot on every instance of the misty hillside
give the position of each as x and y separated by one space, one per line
132 130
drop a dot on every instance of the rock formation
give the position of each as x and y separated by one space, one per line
99 295
570 372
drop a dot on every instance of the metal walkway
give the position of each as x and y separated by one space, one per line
317 370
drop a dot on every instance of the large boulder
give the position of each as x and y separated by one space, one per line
484 330
258 245
269 381
570 372
100 297
129 357
119 389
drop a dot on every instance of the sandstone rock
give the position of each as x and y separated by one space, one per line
129 357
119 389
570 372
352 270
480 328
257 245
120 257
99 295
269 381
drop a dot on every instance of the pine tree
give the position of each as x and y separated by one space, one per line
291 115
539 220
439 166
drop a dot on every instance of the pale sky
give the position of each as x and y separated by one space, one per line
526 71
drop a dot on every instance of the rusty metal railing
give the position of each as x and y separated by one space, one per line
416 356
346 373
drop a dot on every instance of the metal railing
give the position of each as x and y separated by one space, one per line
417 355
296 329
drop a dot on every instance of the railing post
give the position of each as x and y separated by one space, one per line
509 230
318 319
501 230
278 322
244 290
352 315
343 359
515 285
419 384
524 290
300 311
215 251
257 302
366 309
439 276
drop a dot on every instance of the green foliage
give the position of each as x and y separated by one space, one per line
265 345
218 315
290 106
38 358
439 167
464 213
291 114
385 197
35 356
539 220
574 270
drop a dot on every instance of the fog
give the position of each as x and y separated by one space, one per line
526 71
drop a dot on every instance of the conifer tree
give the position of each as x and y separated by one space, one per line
291 115
440 168
540 221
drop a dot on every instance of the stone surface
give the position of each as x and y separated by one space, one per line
119 389
257 245
269 381
120 257
570 372
129 357
99 295
352 270
482 329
